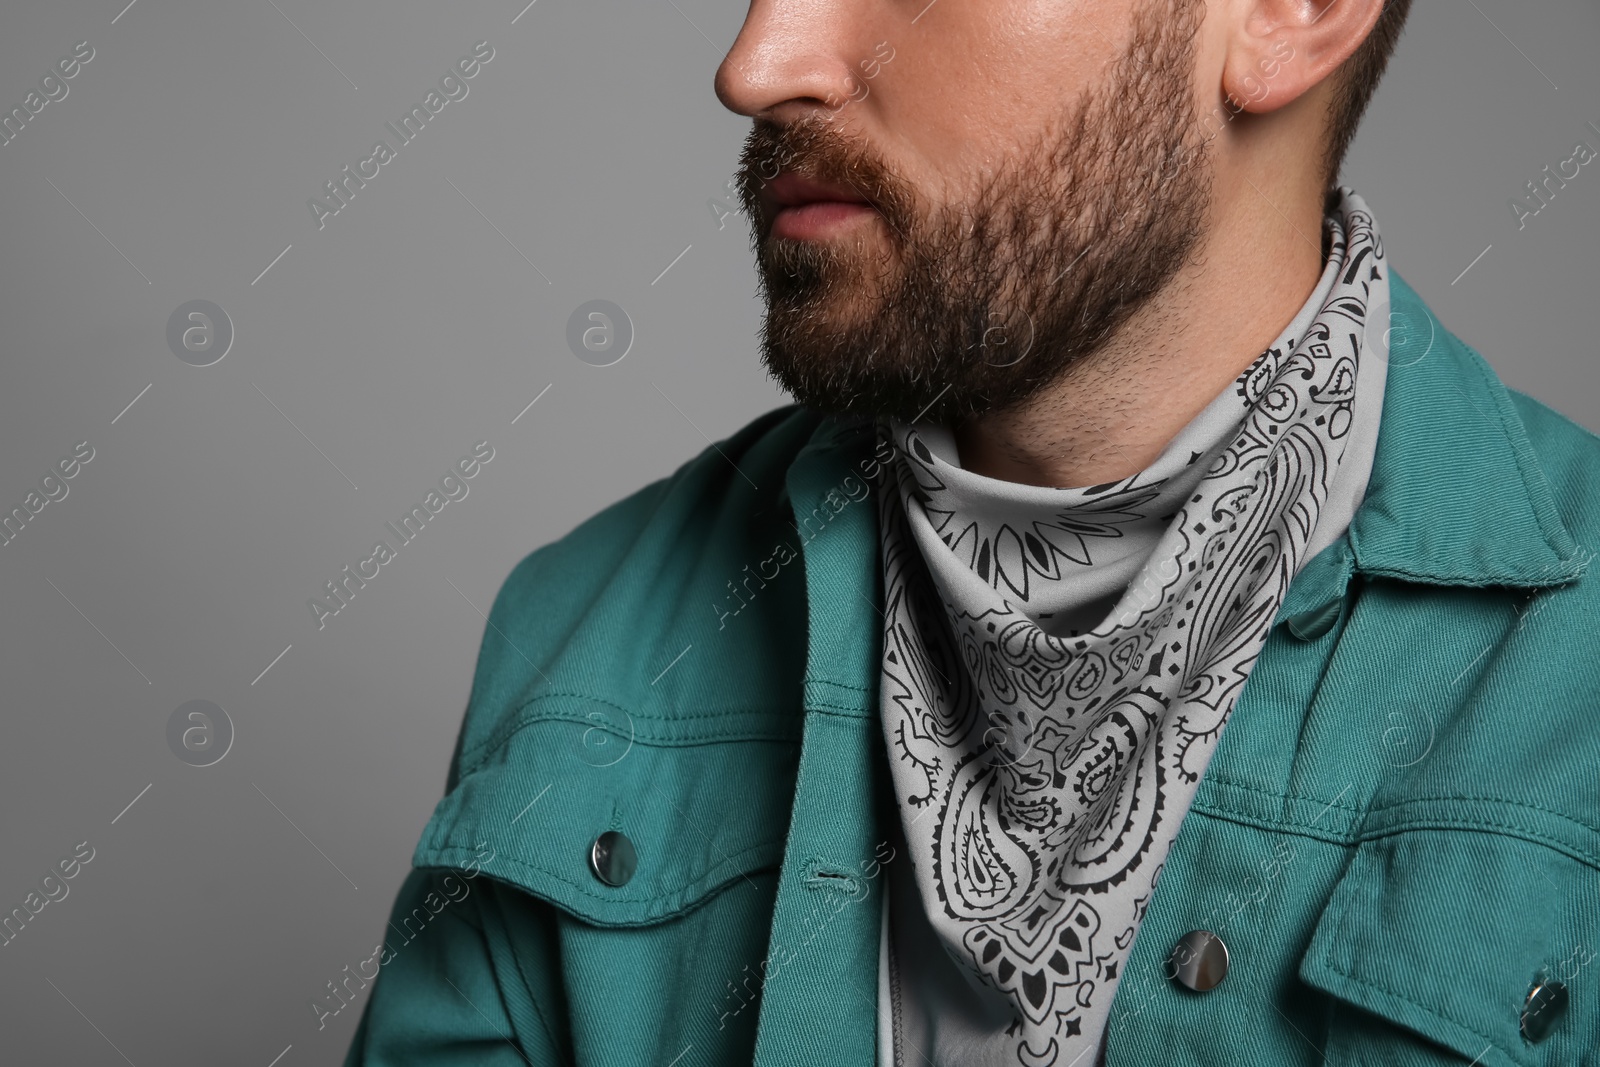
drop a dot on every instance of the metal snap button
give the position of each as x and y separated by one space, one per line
612 858
1546 1003
1199 961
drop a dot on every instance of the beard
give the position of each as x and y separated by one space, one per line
962 310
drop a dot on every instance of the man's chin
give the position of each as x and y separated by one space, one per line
844 383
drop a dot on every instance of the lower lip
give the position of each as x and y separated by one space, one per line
818 219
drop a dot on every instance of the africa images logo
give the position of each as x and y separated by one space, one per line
452 86
452 486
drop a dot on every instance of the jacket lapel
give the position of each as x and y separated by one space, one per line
1456 495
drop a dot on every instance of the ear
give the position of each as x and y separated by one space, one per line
1282 49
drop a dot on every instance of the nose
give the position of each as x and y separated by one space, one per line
791 57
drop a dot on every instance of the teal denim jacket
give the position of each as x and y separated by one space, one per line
1398 835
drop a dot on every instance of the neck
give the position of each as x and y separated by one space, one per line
1117 408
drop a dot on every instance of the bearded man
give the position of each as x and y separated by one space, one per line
1151 638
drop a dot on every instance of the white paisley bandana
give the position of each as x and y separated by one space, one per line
1058 665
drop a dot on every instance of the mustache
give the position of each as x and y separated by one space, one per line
816 149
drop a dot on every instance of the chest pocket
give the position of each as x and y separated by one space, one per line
1434 938
679 809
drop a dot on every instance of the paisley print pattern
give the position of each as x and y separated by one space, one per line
1059 663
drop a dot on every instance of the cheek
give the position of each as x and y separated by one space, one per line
991 81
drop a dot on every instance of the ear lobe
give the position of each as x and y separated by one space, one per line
1286 48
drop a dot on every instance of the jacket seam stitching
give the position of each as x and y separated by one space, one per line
575 694
840 685
691 889
1260 822
1551 575
1436 1013
1508 830
838 711
476 754
1286 795
788 735
1398 805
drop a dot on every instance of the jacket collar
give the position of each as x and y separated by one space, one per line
1456 496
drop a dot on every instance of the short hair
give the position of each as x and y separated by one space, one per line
1357 79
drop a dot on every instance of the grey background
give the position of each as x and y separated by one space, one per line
374 353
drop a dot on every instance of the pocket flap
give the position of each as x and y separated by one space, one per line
1444 932
700 807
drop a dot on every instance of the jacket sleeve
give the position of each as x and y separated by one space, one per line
440 998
